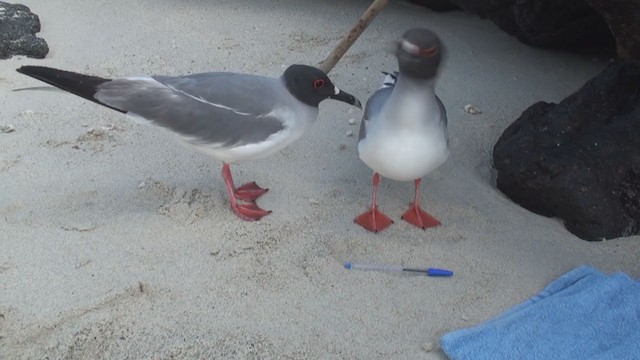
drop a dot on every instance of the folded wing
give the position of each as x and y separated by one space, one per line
216 108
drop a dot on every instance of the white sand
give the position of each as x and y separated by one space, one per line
120 244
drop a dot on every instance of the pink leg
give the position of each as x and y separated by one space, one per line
374 220
248 212
250 192
415 215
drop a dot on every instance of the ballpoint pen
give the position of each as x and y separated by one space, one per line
398 268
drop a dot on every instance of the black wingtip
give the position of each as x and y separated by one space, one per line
82 85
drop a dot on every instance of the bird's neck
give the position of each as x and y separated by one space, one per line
412 102
417 86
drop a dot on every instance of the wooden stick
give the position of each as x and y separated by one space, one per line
353 35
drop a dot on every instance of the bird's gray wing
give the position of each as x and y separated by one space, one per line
374 105
443 111
443 118
224 109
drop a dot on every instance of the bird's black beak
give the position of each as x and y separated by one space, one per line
345 97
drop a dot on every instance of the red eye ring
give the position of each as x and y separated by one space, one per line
318 83
428 52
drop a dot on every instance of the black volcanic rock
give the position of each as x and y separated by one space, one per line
18 26
623 18
560 24
566 24
579 160
437 5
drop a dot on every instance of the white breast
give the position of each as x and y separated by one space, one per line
406 140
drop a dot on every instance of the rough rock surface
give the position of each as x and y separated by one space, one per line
579 160
18 26
437 5
567 24
623 18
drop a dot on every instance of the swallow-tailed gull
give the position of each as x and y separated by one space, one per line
403 134
229 116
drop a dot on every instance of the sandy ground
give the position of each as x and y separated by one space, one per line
117 241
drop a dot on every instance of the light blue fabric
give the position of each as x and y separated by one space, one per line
584 314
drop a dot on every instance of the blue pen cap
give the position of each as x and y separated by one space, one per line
439 272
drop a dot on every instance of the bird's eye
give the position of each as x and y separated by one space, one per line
318 83
416 50
429 52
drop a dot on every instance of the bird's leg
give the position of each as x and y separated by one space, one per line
415 215
248 212
374 220
250 192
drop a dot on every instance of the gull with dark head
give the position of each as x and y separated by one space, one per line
231 117
403 134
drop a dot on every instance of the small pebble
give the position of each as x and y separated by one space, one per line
141 185
313 201
352 121
349 133
428 346
7 128
27 112
472 109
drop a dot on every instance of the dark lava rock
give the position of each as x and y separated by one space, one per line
623 17
437 5
18 26
566 24
579 160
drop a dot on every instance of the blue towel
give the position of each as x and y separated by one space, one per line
584 314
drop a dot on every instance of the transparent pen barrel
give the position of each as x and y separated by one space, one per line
377 267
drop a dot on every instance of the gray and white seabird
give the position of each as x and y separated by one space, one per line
403 134
229 116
